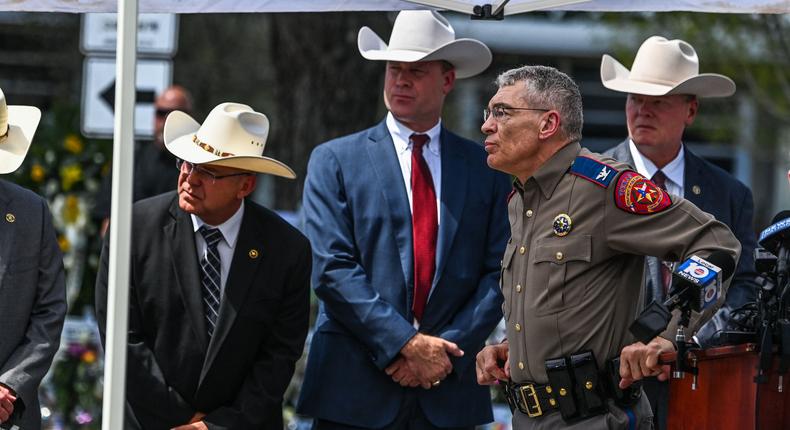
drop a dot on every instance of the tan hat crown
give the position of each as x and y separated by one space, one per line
681 63
435 31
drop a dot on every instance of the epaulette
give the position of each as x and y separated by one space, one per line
594 171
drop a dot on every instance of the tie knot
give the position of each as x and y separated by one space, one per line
419 140
660 179
211 235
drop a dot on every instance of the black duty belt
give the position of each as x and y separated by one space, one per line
576 389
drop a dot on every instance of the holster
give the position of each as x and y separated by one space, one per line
561 381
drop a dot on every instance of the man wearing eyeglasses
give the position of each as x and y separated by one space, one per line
408 226
581 225
153 173
219 286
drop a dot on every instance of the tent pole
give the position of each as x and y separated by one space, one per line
121 215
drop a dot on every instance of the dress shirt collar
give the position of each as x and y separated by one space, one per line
674 170
400 135
549 174
229 229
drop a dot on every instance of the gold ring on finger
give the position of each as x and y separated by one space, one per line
435 383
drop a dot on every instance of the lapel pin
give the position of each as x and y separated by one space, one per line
696 190
253 253
10 217
562 225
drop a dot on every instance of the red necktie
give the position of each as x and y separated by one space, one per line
424 224
660 179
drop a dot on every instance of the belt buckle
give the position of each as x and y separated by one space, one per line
528 392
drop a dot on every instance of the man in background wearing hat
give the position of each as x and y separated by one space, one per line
32 285
663 86
408 227
219 288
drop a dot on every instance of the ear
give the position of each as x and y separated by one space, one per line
449 81
693 108
247 186
549 124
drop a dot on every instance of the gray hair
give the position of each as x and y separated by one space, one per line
548 88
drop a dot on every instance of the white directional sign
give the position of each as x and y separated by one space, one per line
156 33
98 95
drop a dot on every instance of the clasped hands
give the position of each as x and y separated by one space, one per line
195 423
423 362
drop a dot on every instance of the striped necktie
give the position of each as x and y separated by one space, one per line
660 179
210 277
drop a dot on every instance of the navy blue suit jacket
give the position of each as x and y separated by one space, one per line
730 202
358 219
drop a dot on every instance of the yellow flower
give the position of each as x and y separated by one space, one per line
89 356
71 209
70 175
64 243
73 144
37 173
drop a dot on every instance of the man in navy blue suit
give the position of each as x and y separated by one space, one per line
663 87
408 226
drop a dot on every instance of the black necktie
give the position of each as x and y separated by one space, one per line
210 277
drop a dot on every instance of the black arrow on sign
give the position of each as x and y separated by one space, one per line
142 96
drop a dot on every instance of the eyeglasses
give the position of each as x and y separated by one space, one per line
500 112
203 173
163 113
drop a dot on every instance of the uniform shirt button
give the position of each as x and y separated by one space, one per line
529 213
518 288
558 256
521 365
522 250
518 327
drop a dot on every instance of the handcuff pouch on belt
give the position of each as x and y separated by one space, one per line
576 381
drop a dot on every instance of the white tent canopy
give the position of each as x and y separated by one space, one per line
219 6
120 229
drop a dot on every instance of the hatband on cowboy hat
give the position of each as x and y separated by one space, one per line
233 135
424 35
17 126
664 67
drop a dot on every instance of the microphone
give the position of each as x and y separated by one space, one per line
773 237
696 281
696 285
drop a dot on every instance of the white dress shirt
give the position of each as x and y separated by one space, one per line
225 247
674 170
400 138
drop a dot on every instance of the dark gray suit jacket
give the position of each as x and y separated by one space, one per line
32 298
239 375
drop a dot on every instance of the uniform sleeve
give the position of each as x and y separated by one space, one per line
339 279
672 233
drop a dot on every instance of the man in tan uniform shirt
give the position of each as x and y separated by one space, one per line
572 271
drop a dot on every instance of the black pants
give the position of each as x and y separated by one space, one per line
410 417
658 394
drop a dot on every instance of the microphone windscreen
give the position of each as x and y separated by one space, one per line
724 261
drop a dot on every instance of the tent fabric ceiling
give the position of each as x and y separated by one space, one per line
223 6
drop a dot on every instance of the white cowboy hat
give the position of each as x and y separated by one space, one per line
233 135
664 67
424 35
17 127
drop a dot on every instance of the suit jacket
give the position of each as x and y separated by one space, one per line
358 219
238 377
729 201
32 298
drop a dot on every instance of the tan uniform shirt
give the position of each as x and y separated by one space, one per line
581 291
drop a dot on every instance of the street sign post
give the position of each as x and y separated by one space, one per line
98 95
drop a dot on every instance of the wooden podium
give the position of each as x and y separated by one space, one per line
726 396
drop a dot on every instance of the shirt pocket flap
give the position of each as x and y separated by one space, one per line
560 250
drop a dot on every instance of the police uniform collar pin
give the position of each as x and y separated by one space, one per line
562 225
696 190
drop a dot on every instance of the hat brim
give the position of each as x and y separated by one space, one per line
22 124
178 132
469 57
616 77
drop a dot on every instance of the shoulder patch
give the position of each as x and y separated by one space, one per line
594 171
638 195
